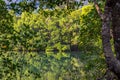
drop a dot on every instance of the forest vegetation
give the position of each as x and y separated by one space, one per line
59 40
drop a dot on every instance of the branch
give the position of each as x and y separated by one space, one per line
98 9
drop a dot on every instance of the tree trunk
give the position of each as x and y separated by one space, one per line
112 62
110 12
116 28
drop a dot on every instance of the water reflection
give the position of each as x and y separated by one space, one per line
43 66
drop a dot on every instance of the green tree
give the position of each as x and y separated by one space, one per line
6 28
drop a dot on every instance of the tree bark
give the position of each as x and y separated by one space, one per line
116 28
113 63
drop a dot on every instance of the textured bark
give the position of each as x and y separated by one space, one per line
113 63
116 28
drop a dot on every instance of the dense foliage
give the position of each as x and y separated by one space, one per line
58 29
52 66
52 31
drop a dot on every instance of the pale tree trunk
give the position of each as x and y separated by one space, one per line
113 63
